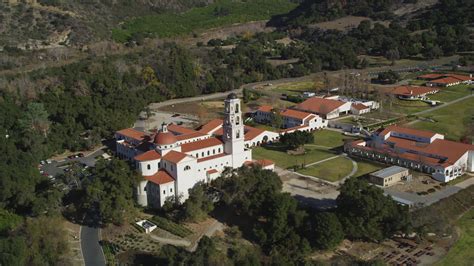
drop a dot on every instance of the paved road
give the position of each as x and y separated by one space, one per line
90 246
444 105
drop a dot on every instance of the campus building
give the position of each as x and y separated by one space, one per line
420 150
413 92
389 176
291 118
334 106
445 80
174 159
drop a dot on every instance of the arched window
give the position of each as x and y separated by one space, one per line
208 153
237 108
237 120
214 151
187 167
219 150
202 154
197 155
238 134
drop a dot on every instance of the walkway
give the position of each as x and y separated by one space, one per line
91 248
171 241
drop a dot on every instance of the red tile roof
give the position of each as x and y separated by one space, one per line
445 148
408 131
211 157
252 132
211 125
201 144
295 114
212 171
190 136
148 156
132 133
431 76
161 177
447 80
360 106
319 105
265 108
179 129
292 128
460 77
174 156
413 90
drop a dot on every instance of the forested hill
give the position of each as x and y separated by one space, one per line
313 11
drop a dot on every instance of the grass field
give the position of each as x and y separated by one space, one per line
462 252
451 93
296 88
169 24
330 139
277 153
332 170
451 120
366 167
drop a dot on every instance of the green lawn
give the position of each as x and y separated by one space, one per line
462 251
277 153
170 24
451 120
295 88
408 107
332 170
329 138
366 167
451 93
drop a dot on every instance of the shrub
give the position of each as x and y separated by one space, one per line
431 190
171 226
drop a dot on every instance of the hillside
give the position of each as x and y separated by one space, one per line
52 22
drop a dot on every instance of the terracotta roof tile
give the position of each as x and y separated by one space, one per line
161 177
211 125
148 156
132 133
431 76
265 108
174 156
190 136
319 105
360 106
447 80
212 171
413 90
252 132
180 130
409 131
201 144
295 114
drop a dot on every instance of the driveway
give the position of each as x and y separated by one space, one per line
91 248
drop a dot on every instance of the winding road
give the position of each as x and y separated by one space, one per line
90 246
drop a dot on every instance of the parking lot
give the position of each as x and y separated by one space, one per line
54 168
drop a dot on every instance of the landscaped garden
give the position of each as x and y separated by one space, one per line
277 153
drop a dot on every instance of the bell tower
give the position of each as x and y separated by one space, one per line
234 139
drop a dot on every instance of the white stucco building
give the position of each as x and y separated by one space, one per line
175 158
420 150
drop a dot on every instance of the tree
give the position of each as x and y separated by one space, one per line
198 205
276 119
297 139
392 55
366 213
326 230
35 119
110 191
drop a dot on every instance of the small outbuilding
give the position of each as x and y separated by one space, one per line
147 226
389 176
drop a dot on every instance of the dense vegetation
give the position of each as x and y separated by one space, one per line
221 13
310 11
283 230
